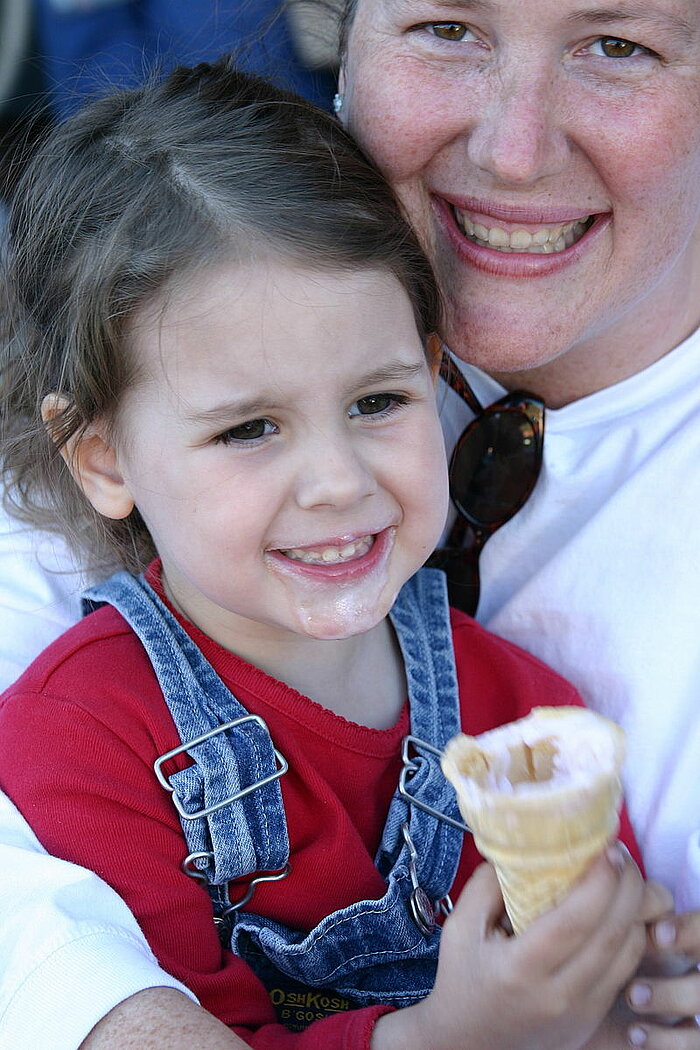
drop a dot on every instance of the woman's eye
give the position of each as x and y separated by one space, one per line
616 47
375 404
448 30
251 430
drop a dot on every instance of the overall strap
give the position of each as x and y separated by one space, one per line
234 782
425 800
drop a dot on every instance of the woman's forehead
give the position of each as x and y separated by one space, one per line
681 14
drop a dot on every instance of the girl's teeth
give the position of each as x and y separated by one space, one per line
545 241
331 555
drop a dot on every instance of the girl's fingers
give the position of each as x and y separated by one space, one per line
560 935
666 996
614 950
480 904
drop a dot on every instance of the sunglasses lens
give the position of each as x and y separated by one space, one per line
461 567
495 466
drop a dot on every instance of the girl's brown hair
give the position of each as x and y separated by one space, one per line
140 189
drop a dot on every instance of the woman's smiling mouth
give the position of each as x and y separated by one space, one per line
529 239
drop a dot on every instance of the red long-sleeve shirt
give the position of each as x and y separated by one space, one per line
83 726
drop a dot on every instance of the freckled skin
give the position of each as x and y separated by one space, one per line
528 111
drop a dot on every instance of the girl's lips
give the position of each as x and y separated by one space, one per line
558 254
337 571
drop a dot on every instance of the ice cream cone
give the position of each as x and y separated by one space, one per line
542 798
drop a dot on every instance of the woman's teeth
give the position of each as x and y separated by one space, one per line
331 555
544 241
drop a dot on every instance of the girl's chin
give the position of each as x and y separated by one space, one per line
347 615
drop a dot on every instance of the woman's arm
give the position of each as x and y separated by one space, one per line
159 1018
70 949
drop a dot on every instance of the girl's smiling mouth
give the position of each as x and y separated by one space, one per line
339 558
331 554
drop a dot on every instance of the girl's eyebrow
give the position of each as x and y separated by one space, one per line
228 410
394 372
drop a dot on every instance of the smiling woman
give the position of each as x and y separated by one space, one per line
548 154
555 185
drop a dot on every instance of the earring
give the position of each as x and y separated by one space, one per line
337 103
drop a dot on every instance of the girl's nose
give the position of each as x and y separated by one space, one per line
334 474
516 137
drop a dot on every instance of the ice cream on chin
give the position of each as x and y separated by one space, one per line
542 797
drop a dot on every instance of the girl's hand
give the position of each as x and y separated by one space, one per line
665 996
551 987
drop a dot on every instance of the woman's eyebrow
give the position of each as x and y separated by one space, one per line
605 15
449 5
638 13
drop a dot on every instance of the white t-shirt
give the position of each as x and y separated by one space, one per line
598 575
40 590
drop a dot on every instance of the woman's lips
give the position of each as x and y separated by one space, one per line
515 247
530 238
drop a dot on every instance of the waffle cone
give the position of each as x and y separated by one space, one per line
539 828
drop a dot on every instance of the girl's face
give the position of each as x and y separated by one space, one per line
284 449
548 153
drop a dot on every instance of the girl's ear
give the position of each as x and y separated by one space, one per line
92 460
434 353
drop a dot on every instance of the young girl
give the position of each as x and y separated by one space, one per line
221 372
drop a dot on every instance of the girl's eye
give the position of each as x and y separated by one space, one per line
616 47
448 30
375 404
251 430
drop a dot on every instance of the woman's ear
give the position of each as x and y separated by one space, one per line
434 352
92 460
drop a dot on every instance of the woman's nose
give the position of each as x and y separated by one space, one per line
333 473
517 138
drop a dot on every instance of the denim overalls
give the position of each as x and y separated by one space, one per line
232 814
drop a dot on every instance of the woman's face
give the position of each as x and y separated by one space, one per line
548 152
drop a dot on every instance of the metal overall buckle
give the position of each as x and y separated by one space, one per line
223 920
282 768
423 911
410 768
